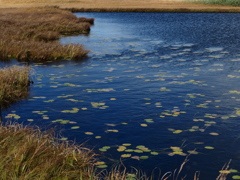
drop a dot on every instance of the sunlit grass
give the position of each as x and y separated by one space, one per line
32 34
14 84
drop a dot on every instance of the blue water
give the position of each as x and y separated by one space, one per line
165 81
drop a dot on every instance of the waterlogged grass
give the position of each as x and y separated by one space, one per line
220 2
32 34
14 83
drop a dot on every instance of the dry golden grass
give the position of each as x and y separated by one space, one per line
14 83
157 5
31 34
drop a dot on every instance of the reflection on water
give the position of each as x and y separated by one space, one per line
155 88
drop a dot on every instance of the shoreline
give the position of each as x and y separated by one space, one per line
124 6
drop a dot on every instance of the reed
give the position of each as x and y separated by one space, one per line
32 34
14 84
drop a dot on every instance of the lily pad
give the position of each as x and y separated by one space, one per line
233 171
102 166
149 120
126 155
225 171
140 147
214 134
102 149
88 133
138 151
126 144
143 157
100 163
135 157
177 131
193 152
209 147
106 147
154 153
236 177
121 148
75 127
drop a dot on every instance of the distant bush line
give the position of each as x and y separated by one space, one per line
178 10
219 2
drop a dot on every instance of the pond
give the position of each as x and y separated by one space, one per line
154 88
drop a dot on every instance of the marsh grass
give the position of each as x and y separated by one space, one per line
218 2
14 84
32 34
29 154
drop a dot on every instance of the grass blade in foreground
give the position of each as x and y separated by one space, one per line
29 154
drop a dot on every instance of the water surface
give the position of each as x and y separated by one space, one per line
155 87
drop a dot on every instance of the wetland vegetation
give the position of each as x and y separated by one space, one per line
32 34
14 83
28 153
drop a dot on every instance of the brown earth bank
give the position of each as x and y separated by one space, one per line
121 5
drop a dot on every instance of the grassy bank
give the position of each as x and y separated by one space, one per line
14 83
32 34
219 2
29 154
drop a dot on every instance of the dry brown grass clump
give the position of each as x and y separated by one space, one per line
14 84
32 33
27 153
